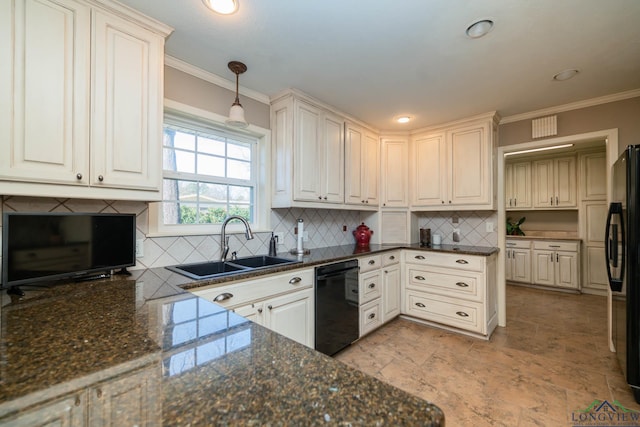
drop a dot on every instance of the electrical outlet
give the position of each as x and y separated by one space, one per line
456 234
489 226
139 248
279 236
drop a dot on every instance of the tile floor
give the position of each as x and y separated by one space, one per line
552 359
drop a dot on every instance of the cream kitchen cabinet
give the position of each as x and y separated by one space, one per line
453 166
518 261
556 263
391 278
281 302
394 172
593 175
362 166
308 160
555 183
89 126
452 290
517 182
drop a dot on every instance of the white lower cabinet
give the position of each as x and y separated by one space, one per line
390 292
518 261
556 264
452 290
281 302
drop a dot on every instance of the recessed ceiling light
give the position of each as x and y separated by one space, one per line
403 119
479 28
223 7
566 74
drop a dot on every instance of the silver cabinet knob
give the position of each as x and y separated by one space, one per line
270 307
372 316
295 280
259 310
372 285
79 176
100 178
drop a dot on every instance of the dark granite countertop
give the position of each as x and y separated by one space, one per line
202 365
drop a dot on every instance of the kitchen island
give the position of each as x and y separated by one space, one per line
141 350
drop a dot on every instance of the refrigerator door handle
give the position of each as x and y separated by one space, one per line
611 248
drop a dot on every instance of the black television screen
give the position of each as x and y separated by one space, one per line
47 246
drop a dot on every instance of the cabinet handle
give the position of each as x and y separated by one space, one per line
419 257
99 393
554 246
386 272
442 202
515 202
392 257
372 316
79 176
319 197
371 262
295 280
355 291
259 310
421 305
77 402
223 296
509 202
270 307
325 197
462 314
362 201
372 285
420 278
557 258
449 201
462 261
100 178
551 257
556 200
462 284
367 201
384 204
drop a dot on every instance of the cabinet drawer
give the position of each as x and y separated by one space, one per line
519 244
446 260
454 285
370 316
369 263
460 314
238 293
390 258
370 286
556 246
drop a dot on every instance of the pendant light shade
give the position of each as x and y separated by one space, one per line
236 113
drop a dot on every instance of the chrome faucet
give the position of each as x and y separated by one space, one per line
224 239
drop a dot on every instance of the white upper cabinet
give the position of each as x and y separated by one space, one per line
593 176
453 166
554 183
394 172
80 100
362 166
517 183
308 158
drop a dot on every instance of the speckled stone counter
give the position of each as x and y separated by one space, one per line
155 354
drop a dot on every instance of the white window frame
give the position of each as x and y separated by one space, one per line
262 199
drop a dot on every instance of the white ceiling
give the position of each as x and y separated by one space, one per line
375 59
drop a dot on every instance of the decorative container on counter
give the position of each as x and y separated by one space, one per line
363 235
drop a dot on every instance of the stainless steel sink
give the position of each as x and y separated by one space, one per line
211 269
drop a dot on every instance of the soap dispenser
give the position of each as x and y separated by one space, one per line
272 245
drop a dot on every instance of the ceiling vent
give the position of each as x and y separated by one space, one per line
544 126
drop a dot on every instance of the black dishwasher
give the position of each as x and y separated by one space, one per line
337 312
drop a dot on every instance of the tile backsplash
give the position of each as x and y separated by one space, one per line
472 225
324 228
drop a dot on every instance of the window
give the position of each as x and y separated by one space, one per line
209 173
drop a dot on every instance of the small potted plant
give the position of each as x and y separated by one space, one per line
513 228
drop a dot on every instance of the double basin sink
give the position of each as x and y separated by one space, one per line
212 269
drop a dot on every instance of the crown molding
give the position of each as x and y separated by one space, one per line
185 67
572 106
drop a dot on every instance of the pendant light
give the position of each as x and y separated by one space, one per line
236 113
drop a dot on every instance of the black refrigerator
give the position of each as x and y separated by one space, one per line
622 249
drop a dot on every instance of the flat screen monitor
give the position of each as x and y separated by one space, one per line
47 246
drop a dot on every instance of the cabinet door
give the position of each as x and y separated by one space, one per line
44 90
430 170
508 265
596 270
292 315
251 312
508 186
521 265
566 269
354 140
593 176
543 194
521 185
371 169
126 126
127 401
66 412
390 292
470 166
394 179
308 152
565 182
333 171
543 267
